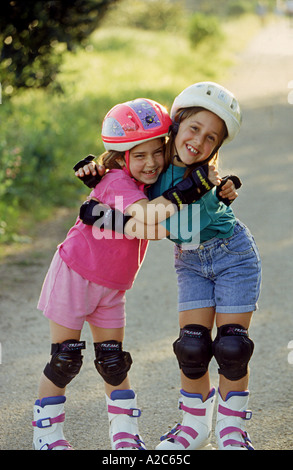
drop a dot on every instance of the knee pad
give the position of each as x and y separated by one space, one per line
112 362
193 350
65 363
232 349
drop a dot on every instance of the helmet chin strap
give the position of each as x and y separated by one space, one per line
126 168
127 160
196 164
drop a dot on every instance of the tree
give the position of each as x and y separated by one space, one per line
35 33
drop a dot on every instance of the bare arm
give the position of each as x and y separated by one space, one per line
134 228
227 191
159 209
147 215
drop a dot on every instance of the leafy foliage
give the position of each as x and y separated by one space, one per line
155 15
203 27
35 33
43 134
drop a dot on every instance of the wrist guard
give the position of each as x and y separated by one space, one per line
110 219
190 189
237 183
89 180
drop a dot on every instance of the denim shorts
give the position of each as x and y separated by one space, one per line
224 273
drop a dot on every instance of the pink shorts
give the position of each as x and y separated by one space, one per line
69 300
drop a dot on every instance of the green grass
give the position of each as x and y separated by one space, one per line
43 134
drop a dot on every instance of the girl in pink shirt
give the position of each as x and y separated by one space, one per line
90 272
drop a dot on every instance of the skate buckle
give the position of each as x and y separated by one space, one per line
43 423
136 412
47 422
247 415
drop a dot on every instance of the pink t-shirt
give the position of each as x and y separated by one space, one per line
111 262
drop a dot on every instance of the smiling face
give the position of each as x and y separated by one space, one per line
198 135
146 161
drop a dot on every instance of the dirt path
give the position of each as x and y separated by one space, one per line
263 158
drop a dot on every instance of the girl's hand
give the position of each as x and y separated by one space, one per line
214 176
90 168
228 191
89 172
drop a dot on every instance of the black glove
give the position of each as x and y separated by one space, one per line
112 219
89 180
237 184
190 189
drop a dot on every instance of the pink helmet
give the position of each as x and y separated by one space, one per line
134 122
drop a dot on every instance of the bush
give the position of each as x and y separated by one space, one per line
34 34
155 15
41 138
204 27
42 135
237 8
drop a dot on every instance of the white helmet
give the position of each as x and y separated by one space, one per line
214 98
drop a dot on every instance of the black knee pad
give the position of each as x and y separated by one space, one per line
66 362
232 349
193 350
112 362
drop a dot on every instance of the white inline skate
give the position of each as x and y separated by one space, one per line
195 431
48 424
123 414
231 420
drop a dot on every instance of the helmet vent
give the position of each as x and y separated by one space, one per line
233 105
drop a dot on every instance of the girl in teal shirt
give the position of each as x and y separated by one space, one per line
219 273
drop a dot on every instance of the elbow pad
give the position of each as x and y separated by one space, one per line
109 219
